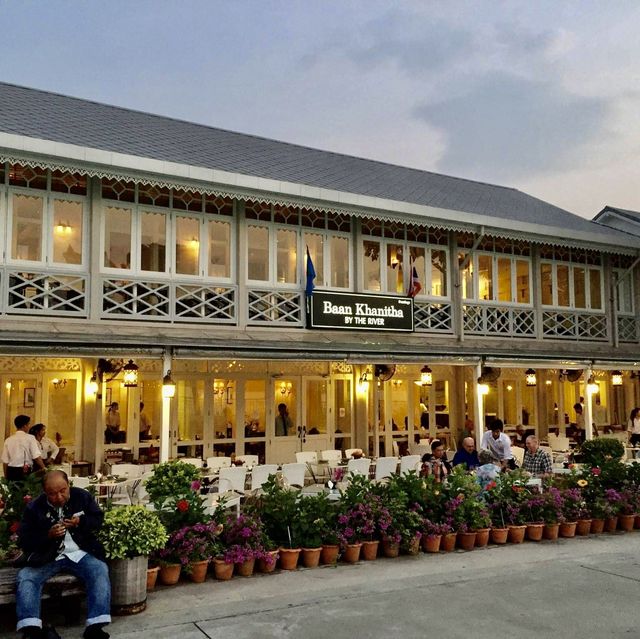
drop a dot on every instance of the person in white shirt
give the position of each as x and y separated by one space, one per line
48 447
21 452
498 444
634 427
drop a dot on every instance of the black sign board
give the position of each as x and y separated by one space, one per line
360 312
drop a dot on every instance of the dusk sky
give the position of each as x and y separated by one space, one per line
542 96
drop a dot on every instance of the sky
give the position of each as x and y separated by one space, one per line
542 96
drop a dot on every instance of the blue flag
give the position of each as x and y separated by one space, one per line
311 275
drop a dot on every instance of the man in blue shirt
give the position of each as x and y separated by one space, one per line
467 454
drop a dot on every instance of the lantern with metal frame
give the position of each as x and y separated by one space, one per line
168 386
530 378
130 374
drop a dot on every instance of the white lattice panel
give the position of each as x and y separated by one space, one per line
275 307
46 293
141 300
205 303
432 317
627 329
498 320
570 325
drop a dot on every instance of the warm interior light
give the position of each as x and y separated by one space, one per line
8 386
548 382
483 389
616 378
426 376
194 243
168 386
592 386
509 387
92 385
286 388
130 374
58 383
363 383
530 377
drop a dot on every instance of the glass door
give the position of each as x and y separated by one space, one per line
20 396
316 409
285 440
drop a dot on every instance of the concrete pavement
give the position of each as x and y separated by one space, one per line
584 587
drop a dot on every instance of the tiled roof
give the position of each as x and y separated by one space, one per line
58 118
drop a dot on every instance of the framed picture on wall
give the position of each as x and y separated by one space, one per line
29 397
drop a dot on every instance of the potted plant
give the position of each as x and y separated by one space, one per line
628 508
573 508
552 513
314 512
614 507
243 538
129 534
431 536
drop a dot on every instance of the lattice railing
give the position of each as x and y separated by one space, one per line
275 307
627 329
432 317
202 303
46 293
484 319
572 325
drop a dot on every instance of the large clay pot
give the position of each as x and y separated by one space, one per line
448 542
597 526
466 540
636 523
311 557
499 535
482 537
369 550
390 548
197 571
329 553
610 524
129 585
169 574
516 534
152 577
583 527
431 543
625 522
351 553
551 531
246 568
535 531
268 563
568 529
222 570
413 547
289 558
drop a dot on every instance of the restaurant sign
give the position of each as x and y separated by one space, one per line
360 312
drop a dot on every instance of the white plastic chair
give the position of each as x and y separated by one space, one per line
310 458
249 460
218 462
359 466
386 466
518 454
332 456
196 461
349 452
126 470
80 482
233 478
558 443
409 463
294 474
260 474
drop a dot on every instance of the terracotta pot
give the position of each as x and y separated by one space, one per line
222 570
390 548
625 522
551 531
636 523
610 524
268 565
152 576
329 553
431 543
583 527
568 529
499 535
170 574
448 542
597 526
516 534
466 540
534 532
311 557
289 558
197 571
413 547
351 553
246 568
482 537
370 550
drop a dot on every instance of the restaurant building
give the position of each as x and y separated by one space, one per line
183 248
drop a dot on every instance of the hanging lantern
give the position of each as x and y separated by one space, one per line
130 373
616 378
426 376
168 386
530 378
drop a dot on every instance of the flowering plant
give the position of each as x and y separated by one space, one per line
170 478
199 542
316 521
356 523
574 506
243 538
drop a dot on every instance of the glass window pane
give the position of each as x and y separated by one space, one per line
504 280
595 288
190 396
343 406
220 250
315 243
509 413
26 243
67 232
117 238
258 253
563 285
546 283
522 282
579 291
61 416
254 408
287 256
116 411
316 418
485 277
224 409
529 406
371 265
153 245
466 276
187 245
439 273
394 267
625 294
286 419
418 261
340 262
150 413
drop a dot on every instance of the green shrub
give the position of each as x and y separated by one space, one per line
596 452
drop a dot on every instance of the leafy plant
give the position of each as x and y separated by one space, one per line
170 479
243 539
316 521
199 542
596 452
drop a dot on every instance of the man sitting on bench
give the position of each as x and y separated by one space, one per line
57 534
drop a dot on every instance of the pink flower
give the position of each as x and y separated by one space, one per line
595 471
195 485
27 498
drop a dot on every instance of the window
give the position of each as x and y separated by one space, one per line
258 253
187 245
571 286
117 238
219 249
625 292
286 243
27 221
496 278
67 232
153 242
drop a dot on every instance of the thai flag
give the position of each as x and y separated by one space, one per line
311 275
414 285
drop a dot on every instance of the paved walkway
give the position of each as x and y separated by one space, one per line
585 587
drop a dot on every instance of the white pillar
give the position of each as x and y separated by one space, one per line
588 405
478 409
165 435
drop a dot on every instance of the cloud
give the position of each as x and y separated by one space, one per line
506 126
